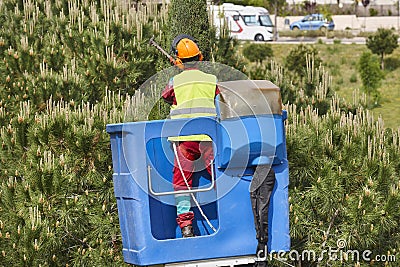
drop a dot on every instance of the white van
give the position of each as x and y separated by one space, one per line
244 22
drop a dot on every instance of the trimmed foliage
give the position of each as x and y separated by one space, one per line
191 17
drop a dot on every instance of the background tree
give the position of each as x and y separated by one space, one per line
382 43
309 6
371 75
277 7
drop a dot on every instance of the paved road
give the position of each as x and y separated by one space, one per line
311 40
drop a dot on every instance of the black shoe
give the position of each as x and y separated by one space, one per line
261 254
187 231
261 264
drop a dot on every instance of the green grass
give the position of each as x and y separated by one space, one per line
341 60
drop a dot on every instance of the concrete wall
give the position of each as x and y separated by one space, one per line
352 22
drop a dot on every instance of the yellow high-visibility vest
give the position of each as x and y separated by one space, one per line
194 94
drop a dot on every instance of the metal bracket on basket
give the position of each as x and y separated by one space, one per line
181 191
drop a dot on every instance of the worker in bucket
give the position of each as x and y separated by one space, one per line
191 94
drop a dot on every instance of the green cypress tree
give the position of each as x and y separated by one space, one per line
191 17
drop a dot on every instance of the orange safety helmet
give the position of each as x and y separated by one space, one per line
184 46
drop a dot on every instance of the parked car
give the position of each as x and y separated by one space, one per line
313 22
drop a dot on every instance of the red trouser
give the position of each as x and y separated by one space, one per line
189 153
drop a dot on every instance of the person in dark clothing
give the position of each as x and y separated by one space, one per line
261 188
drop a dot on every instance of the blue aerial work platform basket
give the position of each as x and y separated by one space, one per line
248 130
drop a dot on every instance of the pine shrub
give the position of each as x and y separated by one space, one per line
74 51
296 61
57 205
344 182
70 68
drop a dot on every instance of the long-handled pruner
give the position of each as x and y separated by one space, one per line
174 61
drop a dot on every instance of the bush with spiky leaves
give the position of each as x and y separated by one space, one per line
344 177
344 184
297 61
57 205
73 51
59 59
